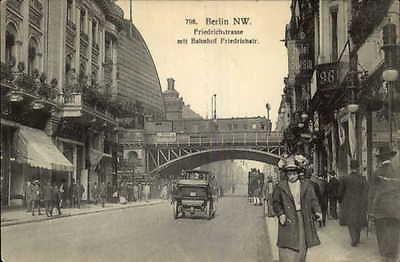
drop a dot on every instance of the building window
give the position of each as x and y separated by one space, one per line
11 32
94 32
108 51
69 10
83 21
334 36
32 53
94 77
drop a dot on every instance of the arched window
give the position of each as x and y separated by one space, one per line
32 53
11 34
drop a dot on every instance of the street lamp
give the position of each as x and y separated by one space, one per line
268 126
390 74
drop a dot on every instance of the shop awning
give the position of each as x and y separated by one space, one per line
36 149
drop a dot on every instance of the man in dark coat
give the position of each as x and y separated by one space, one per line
320 191
296 205
332 191
47 197
353 193
35 197
56 199
385 205
102 193
75 194
109 192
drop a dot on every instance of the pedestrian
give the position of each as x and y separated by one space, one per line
296 206
115 193
122 194
109 192
146 192
47 197
56 197
135 192
62 193
75 194
320 185
81 190
102 193
353 193
35 197
332 191
385 206
95 191
28 196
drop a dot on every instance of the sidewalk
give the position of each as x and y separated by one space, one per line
20 216
335 244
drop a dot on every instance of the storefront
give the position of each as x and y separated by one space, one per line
31 156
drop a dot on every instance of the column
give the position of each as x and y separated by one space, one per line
75 161
23 34
3 11
90 50
101 54
114 65
77 42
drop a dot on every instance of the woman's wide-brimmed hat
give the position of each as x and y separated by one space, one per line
385 152
290 164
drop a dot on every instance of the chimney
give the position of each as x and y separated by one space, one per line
171 83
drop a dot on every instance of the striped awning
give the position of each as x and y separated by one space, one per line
36 149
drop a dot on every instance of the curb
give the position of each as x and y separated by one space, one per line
12 223
272 237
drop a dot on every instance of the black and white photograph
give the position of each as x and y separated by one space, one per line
200 130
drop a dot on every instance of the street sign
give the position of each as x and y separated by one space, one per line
166 137
326 75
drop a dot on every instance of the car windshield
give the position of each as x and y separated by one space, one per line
195 175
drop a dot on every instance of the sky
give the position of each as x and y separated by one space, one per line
243 76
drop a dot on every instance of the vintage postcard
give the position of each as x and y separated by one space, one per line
204 130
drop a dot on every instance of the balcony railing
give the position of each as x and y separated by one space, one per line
95 53
36 4
35 13
71 33
75 106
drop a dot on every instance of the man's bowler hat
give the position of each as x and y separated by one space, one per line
385 152
354 164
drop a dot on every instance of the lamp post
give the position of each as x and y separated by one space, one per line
390 74
267 126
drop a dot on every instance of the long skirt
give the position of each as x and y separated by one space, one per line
290 255
388 236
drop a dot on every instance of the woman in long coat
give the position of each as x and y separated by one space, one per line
296 212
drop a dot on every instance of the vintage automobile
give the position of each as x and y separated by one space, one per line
195 191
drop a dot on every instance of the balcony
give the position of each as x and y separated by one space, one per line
88 105
95 53
15 5
71 33
27 99
84 44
